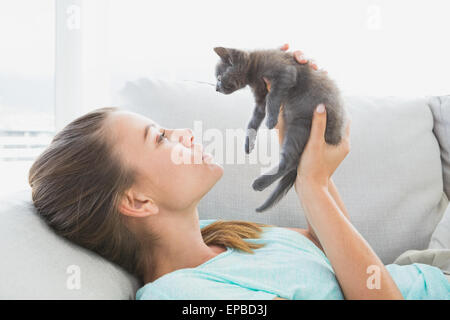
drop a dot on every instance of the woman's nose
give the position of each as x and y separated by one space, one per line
185 136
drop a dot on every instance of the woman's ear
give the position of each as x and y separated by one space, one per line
138 206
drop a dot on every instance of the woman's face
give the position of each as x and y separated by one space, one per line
172 168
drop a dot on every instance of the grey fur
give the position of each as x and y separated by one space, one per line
299 89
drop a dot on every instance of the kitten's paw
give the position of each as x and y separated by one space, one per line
271 122
249 144
248 147
261 183
250 140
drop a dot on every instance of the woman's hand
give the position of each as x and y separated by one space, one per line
300 58
348 252
319 159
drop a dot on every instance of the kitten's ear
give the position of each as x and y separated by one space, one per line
231 56
224 54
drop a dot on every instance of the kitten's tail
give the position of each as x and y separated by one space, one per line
282 188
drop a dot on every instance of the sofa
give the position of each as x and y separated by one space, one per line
395 183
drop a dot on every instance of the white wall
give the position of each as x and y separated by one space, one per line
379 47
370 47
82 68
373 47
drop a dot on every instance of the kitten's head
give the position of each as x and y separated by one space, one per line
231 70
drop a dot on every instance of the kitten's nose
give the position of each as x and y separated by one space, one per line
217 88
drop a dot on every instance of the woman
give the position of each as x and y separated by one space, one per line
108 182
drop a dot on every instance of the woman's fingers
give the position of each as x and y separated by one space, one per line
319 124
300 57
314 65
267 83
284 47
347 132
280 126
297 54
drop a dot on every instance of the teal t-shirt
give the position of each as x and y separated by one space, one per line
289 266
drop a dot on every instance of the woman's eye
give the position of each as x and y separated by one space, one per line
162 136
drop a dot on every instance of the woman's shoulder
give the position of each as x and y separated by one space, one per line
194 284
204 222
165 286
283 237
420 281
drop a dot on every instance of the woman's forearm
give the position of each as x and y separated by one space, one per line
337 198
349 254
335 194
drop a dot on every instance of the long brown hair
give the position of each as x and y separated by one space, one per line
77 184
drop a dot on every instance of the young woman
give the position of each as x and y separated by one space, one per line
108 182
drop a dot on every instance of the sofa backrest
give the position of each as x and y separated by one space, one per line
440 107
391 182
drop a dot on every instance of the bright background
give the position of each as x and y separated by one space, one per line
62 58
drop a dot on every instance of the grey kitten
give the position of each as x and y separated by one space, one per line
299 89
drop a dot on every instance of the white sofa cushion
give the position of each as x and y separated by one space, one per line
391 181
440 107
38 264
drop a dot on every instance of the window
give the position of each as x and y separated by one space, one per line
27 49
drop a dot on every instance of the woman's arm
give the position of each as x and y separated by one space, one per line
300 58
327 217
331 186
348 252
337 198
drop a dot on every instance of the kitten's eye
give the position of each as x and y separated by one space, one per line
219 78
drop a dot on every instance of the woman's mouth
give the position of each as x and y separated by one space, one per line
207 157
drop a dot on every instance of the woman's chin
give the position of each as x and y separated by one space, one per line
209 161
215 168
220 169
212 173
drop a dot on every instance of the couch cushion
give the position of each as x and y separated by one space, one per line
391 181
440 108
440 239
38 264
